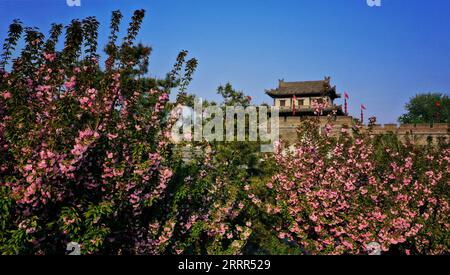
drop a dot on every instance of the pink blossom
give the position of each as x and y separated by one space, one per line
49 56
6 95
71 83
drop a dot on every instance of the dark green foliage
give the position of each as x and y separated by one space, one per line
427 108
14 33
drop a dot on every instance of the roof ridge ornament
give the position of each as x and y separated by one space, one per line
326 84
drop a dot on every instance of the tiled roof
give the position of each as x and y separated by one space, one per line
312 88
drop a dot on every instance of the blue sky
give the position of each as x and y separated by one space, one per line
382 56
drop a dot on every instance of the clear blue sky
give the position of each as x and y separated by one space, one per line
381 56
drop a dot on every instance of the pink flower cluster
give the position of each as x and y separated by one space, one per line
88 101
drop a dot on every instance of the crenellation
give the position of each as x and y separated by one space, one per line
440 126
420 132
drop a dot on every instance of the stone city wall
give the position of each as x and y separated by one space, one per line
420 133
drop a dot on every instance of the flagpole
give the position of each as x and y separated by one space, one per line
346 97
294 99
362 113
346 107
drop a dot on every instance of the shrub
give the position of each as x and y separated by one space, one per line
338 195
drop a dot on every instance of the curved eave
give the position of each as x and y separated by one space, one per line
281 95
276 94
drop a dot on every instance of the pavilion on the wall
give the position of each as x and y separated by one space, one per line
295 102
296 98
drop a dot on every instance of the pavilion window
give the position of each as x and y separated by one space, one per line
283 103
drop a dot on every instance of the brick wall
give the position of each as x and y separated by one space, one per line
420 133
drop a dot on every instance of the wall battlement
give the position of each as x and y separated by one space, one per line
432 128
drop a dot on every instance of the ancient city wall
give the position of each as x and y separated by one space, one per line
420 133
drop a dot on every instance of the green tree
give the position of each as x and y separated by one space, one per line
427 108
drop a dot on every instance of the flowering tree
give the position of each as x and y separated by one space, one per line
338 195
86 154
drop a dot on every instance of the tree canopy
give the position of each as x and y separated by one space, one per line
427 108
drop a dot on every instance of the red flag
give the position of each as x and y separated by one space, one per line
294 99
346 95
363 107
